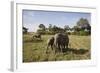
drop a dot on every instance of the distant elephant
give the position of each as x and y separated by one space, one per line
61 41
37 36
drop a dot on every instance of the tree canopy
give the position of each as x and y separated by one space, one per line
83 24
42 26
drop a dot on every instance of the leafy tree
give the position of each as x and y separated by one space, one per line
66 27
54 28
83 24
57 29
75 28
42 26
25 30
50 27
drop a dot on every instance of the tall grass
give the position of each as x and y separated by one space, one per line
34 50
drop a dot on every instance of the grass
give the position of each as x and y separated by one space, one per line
34 49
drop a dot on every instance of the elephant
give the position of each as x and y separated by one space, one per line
37 36
61 41
50 42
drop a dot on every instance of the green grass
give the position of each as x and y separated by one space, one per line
34 49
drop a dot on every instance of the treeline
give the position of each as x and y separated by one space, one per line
82 28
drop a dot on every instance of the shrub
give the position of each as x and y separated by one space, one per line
75 33
82 33
41 32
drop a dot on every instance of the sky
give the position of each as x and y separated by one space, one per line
32 18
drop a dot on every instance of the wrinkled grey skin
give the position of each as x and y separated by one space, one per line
37 36
61 41
50 43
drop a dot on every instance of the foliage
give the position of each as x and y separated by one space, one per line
40 31
82 33
50 27
66 28
82 27
83 24
42 27
25 30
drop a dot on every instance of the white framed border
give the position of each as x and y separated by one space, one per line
16 51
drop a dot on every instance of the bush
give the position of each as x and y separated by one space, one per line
41 32
75 33
82 33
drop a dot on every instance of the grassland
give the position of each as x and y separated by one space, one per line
34 49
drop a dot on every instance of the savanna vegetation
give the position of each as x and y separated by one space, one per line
79 48
35 49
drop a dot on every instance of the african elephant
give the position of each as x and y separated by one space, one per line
50 43
61 40
37 36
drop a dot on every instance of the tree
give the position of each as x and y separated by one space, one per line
50 27
25 30
54 28
57 29
42 26
83 24
66 28
75 28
